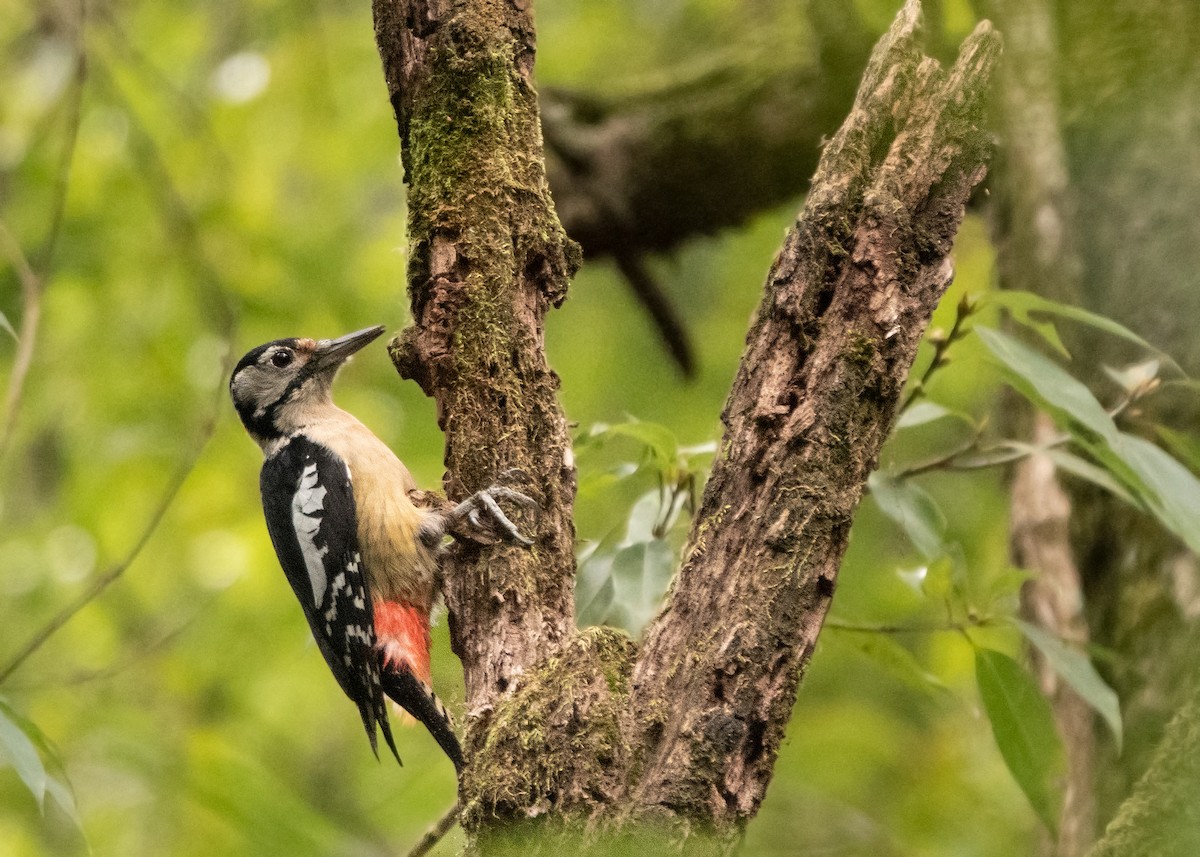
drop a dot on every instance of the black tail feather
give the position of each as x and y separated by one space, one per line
415 697
379 718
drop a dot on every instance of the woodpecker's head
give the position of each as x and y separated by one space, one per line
280 387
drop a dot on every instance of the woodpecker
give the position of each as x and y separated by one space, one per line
360 556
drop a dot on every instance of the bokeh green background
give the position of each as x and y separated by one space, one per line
236 179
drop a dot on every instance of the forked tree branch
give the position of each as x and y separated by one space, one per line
564 723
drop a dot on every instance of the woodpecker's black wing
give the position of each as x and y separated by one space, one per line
310 512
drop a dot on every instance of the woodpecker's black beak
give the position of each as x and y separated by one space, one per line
332 353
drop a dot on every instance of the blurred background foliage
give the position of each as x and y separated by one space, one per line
184 181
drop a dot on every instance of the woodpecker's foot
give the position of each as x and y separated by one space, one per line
479 518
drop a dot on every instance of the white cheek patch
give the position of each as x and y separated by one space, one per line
307 505
254 385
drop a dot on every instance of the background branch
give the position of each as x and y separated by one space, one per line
33 275
100 583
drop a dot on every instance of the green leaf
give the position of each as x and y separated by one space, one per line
1184 446
18 749
925 411
914 510
1048 386
641 573
1070 463
1049 334
1003 589
1024 729
593 588
1169 489
900 663
596 482
1162 485
59 789
1089 472
1022 304
53 780
937 580
659 441
644 517
5 324
1076 669
921 413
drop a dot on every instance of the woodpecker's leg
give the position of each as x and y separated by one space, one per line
477 517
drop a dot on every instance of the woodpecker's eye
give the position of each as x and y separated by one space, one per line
280 359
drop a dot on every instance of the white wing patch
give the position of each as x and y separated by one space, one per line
307 505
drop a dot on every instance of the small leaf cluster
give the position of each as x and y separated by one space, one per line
27 750
1099 444
624 574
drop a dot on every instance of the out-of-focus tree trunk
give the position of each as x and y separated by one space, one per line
1095 190
1034 223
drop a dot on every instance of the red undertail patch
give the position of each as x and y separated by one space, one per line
402 634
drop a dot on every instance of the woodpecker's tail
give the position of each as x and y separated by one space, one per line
402 640
416 697
374 715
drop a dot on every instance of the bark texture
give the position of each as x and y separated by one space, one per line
563 725
845 306
488 258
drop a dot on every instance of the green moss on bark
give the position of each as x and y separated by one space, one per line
561 723
1162 816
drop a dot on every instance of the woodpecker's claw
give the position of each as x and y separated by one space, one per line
479 518
485 501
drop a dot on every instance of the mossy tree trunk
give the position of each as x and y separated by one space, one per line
564 726
487 258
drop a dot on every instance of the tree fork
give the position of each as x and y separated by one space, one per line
581 724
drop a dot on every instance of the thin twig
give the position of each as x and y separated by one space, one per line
941 346
663 313
31 314
434 834
973 456
101 583
32 283
932 628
